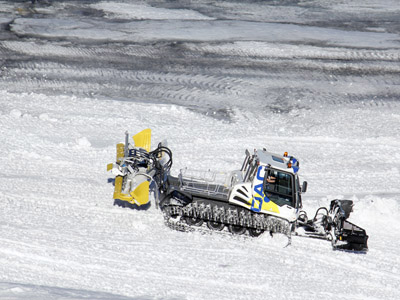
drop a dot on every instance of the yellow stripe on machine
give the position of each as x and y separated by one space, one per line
270 206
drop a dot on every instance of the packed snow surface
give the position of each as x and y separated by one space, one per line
214 80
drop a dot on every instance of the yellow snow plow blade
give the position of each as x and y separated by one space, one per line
141 193
143 139
139 196
117 191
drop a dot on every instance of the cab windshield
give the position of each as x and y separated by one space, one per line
278 187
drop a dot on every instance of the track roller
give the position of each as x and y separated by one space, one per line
193 221
255 232
215 225
236 229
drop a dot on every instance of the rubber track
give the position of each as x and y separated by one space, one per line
230 216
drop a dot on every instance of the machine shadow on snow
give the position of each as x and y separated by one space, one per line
124 204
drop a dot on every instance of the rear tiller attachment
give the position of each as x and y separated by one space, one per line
332 225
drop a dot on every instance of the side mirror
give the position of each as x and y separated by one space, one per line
304 187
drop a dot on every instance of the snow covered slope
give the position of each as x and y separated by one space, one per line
66 100
60 229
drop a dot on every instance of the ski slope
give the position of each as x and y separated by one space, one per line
67 97
59 227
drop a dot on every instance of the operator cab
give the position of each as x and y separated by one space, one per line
278 187
268 183
281 183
